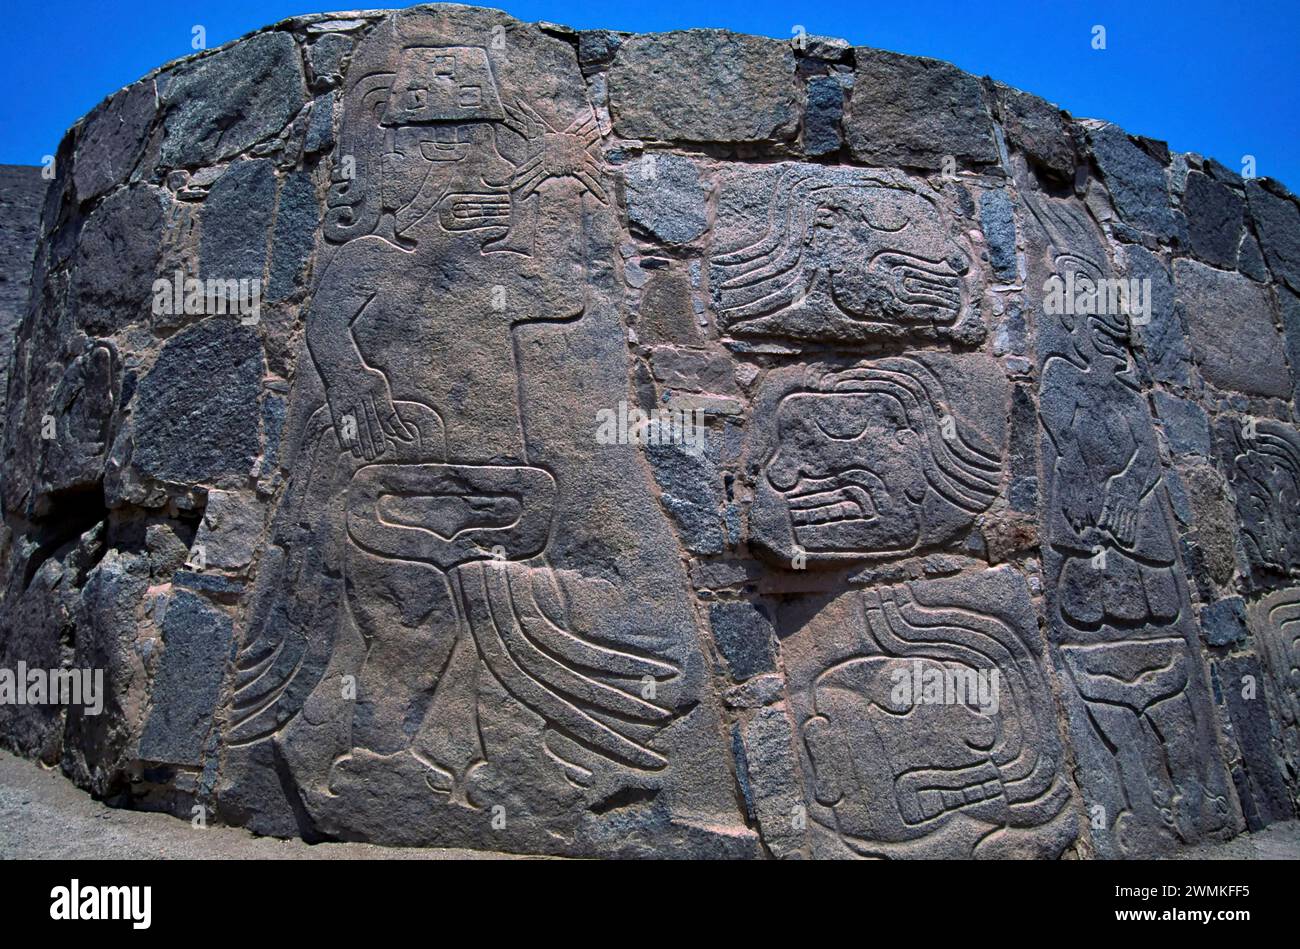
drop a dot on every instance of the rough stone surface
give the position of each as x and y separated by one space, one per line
645 446
1277 221
913 112
666 198
1214 220
113 140
116 260
236 222
1233 329
1136 182
999 226
744 637
22 195
195 412
216 106
822 134
685 86
196 640
1265 798
1038 128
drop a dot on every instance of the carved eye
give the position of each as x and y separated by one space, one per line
415 99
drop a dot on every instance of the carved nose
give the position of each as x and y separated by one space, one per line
782 473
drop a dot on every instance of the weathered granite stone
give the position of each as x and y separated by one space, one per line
236 222
684 87
665 198
297 218
1232 325
913 112
1038 128
1214 514
231 528
765 505
1277 222
82 416
1164 339
744 636
999 226
1136 182
1289 307
1224 622
197 641
218 105
325 57
1221 172
1186 425
597 46
99 749
822 116
195 414
113 139
1250 259
22 195
1263 793
772 785
1214 220
690 488
116 261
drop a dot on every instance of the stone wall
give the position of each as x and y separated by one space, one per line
22 194
678 444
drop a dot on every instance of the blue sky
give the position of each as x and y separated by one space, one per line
1219 78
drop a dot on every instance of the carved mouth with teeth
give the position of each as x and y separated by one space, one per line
916 281
812 508
925 795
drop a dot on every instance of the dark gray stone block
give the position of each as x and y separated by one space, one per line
665 198
195 415
743 634
913 112
999 227
216 106
1214 220
683 86
1136 182
1224 622
197 640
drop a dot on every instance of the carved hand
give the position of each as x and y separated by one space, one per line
361 405
1119 510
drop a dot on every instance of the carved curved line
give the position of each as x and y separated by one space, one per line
558 643
582 728
519 635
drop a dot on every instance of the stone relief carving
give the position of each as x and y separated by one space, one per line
430 524
1262 461
1275 621
835 254
894 775
1120 613
874 459
366 568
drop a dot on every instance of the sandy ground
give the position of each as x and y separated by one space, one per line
45 816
